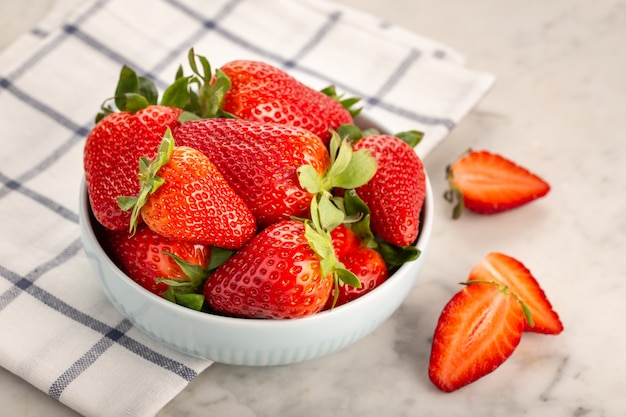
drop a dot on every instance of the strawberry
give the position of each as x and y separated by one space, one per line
477 331
276 275
512 273
125 132
286 271
260 162
488 183
111 152
396 193
366 263
168 268
262 92
184 197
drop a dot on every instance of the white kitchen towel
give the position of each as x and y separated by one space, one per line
57 330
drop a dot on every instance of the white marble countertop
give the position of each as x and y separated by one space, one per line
559 108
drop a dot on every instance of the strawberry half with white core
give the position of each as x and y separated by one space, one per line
477 331
509 271
184 197
488 183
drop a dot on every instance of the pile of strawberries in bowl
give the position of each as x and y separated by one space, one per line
247 218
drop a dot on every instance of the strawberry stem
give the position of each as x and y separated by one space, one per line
454 195
211 88
348 169
347 103
149 181
325 216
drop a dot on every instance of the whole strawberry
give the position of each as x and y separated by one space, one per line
395 195
260 162
276 275
262 92
110 157
184 197
168 268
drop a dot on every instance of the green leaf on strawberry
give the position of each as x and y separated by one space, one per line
330 216
325 216
132 94
149 179
356 209
348 103
187 292
177 94
211 88
348 169
133 102
219 256
191 300
412 137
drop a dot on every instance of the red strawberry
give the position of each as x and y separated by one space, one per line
478 330
396 193
488 183
111 152
148 258
276 275
184 197
259 160
265 93
367 264
512 273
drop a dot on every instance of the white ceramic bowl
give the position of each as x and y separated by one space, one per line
247 341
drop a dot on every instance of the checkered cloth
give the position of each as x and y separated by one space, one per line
58 330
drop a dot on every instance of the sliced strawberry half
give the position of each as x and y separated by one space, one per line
478 330
488 183
512 273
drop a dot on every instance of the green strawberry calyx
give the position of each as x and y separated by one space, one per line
187 291
354 133
132 93
325 216
347 103
200 94
149 181
453 195
348 169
